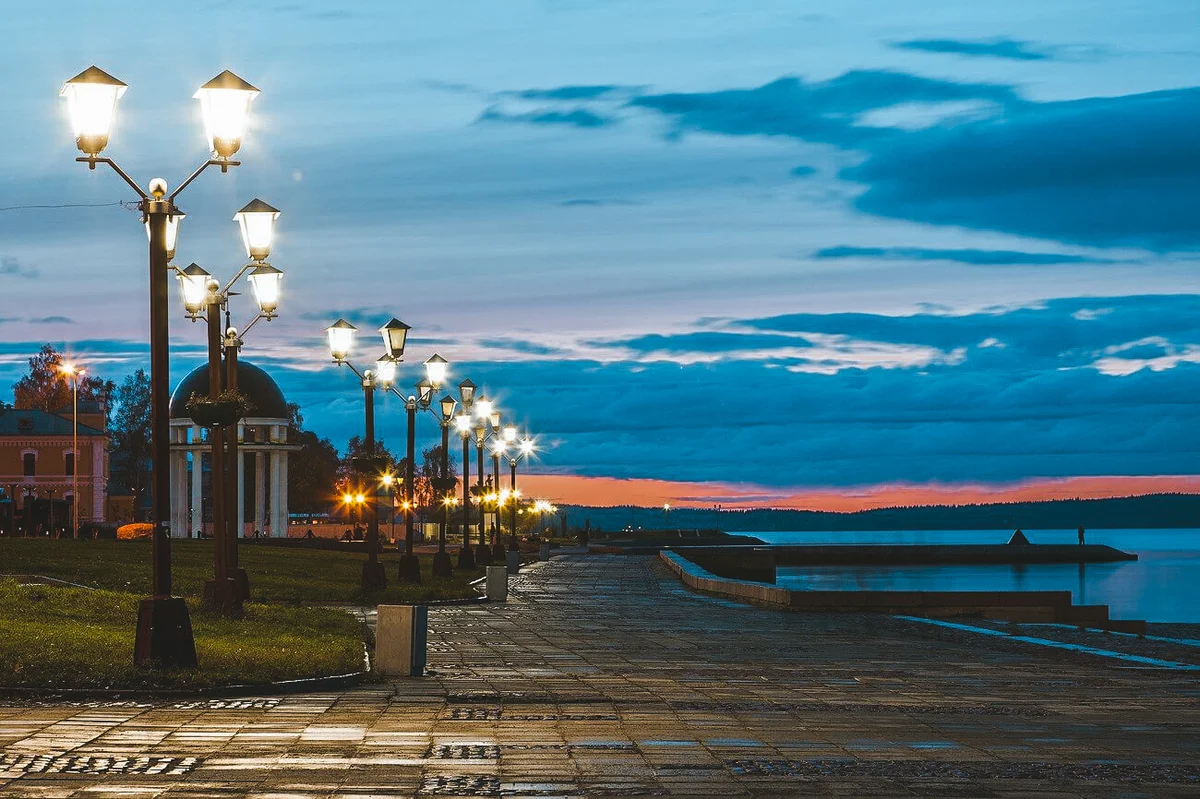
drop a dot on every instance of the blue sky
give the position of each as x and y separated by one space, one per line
832 246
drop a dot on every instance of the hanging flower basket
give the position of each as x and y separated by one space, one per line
226 408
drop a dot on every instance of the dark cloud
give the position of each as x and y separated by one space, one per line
574 117
11 267
1104 171
964 256
802 172
991 48
50 320
575 93
826 111
517 345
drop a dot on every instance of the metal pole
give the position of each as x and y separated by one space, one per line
373 576
513 546
466 557
164 633
445 476
75 456
233 532
410 567
483 554
218 592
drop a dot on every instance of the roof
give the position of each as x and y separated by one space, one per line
28 422
265 397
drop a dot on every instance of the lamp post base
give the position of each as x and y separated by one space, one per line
498 552
483 555
373 576
466 558
410 569
164 634
223 596
441 564
240 577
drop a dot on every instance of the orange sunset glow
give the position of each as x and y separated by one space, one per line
609 491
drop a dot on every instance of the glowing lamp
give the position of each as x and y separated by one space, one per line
92 104
173 221
435 369
385 370
388 480
494 418
193 283
483 407
510 433
266 281
341 339
225 105
394 334
462 423
527 446
257 221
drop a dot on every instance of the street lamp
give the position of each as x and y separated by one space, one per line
341 340
164 632
204 296
73 374
462 422
487 424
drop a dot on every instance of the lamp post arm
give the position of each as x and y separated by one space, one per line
210 162
92 160
225 289
255 321
347 364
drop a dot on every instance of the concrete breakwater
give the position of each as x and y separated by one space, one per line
747 574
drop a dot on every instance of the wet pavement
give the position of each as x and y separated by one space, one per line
602 676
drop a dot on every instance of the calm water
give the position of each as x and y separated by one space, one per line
1163 585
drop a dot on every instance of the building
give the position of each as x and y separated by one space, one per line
262 458
38 477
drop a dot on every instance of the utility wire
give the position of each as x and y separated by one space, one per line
123 204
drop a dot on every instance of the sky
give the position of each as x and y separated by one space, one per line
829 255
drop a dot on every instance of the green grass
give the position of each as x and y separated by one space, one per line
276 574
54 637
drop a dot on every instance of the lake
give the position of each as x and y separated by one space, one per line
1163 585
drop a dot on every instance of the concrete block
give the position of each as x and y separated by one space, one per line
497 583
514 562
400 632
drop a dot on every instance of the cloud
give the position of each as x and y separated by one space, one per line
964 256
587 201
570 93
1104 172
825 111
51 320
574 117
802 172
11 267
1014 49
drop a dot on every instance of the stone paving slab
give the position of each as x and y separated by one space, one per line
604 677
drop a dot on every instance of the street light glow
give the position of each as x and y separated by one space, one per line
193 283
92 104
483 407
257 223
173 221
394 335
341 339
225 105
266 281
462 423
435 369
385 370
510 433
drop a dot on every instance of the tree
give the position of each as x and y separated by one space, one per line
312 473
130 431
46 388
356 448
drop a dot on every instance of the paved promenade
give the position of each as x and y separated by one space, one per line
603 677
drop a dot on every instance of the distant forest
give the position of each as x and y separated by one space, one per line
1149 511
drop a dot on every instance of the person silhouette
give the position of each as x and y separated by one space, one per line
1080 536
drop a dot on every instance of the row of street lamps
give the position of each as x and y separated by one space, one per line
478 420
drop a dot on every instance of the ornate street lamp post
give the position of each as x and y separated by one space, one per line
203 296
341 340
164 635
73 373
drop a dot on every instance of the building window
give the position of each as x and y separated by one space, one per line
69 465
29 462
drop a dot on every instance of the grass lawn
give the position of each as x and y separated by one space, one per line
276 574
77 638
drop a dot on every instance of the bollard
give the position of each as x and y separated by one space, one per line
544 551
514 562
400 639
497 583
